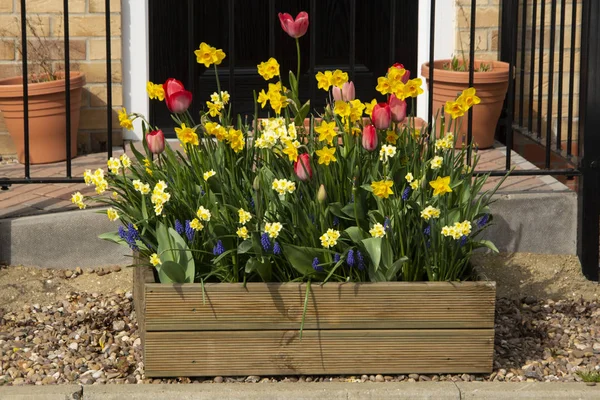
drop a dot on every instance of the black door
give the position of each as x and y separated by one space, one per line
361 37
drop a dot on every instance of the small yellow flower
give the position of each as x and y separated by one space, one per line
326 131
369 107
441 185
455 109
263 98
430 212
209 174
468 98
236 140
216 130
225 96
383 85
413 88
342 108
187 135
356 110
382 189
77 197
149 171
140 186
377 230
396 74
283 186
125 161
203 214
114 165
242 233
326 155
391 137
214 109
112 214
414 185
147 162
338 78
155 91
436 162
329 239
196 225
115 195
124 120
387 151
291 150
409 177
155 260
244 216
209 55
268 69
324 80
273 229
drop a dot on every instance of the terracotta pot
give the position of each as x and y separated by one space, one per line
491 87
47 117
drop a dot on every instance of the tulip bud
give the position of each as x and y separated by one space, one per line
348 92
302 167
295 28
397 108
178 99
156 141
256 183
381 116
369 138
337 93
322 194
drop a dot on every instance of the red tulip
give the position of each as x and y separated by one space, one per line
381 116
156 141
302 167
369 138
346 93
295 28
406 76
398 108
177 98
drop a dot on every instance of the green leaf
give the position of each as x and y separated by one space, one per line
165 249
386 254
337 210
186 259
244 247
356 234
392 272
263 268
113 237
301 258
144 208
373 247
171 272
486 243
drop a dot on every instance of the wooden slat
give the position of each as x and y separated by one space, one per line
213 353
393 305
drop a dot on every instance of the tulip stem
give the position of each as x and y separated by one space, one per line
298 74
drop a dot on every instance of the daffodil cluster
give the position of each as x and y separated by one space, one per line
159 197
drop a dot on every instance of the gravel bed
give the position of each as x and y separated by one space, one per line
93 339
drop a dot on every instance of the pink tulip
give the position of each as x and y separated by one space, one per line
346 93
177 98
406 76
398 108
381 116
302 167
369 138
295 28
156 141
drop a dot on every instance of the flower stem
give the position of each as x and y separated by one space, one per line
298 74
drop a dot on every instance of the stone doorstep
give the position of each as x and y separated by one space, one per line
309 391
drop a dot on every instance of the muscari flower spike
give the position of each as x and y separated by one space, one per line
219 248
427 230
361 260
189 231
179 227
483 221
336 258
406 194
386 223
276 249
316 266
463 240
350 258
265 242
336 221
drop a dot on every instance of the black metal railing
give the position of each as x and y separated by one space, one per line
523 40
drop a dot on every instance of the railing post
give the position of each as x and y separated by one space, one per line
589 140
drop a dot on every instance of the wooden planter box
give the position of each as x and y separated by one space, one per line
369 328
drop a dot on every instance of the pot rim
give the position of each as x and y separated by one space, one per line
498 73
12 87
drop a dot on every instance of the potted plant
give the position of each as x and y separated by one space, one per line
271 248
46 104
451 77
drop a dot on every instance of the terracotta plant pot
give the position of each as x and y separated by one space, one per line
491 88
47 117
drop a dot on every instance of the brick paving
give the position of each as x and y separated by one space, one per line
33 199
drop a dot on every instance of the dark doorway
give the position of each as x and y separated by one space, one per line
361 37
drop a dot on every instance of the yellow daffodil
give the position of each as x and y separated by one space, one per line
338 78
409 177
391 137
369 107
326 132
196 225
244 216
187 135
383 85
283 186
413 88
455 109
326 155
387 151
273 229
436 162
356 110
342 108
214 109
155 91
324 80
396 74
140 186
268 69
430 212
77 199
458 230
203 214
469 98
216 130
114 165
236 140
291 150
377 230
242 233
155 260
441 185
414 185
112 214
329 239
124 120
125 161
382 189
209 174
209 55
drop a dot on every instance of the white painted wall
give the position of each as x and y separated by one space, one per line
445 31
135 61
136 64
